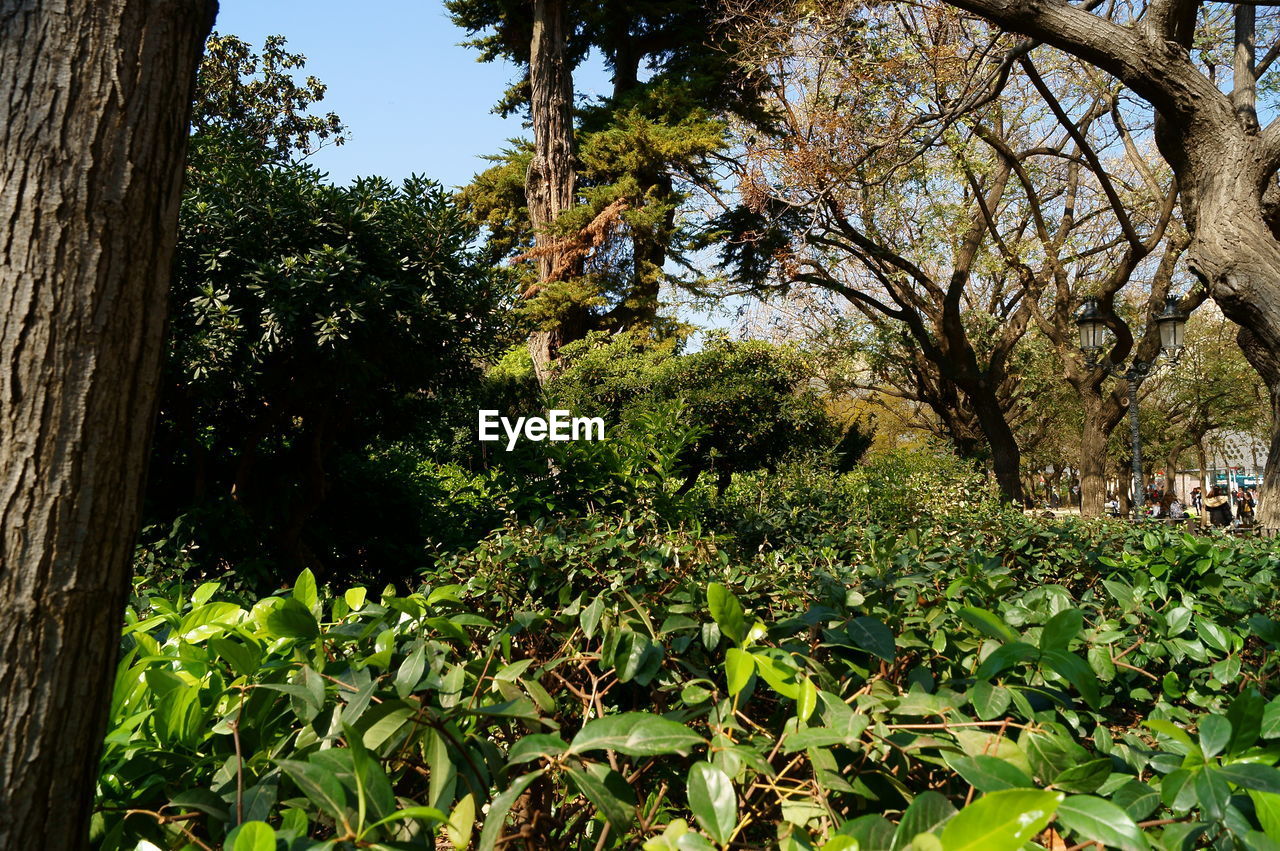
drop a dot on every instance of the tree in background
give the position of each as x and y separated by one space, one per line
953 210
94 126
256 95
1211 390
628 165
309 322
1209 132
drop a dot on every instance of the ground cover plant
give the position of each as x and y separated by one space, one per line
616 681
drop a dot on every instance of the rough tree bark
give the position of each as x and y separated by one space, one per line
1225 162
1101 415
96 99
550 180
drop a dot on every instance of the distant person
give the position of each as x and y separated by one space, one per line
1197 499
1075 495
1177 511
1113 506
1244 508
1218 507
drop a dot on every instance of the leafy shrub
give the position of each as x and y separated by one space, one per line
309 324
750 401
610 681
805 502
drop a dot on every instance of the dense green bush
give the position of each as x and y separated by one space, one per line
310 324
807 503
751 401
610 681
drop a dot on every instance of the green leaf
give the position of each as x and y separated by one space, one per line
1177 620
1215 732
209 620
1267 807
370 782
872 832
989 774
1137 799
321 787
354 598
635 734
589 617
1049 754
304 591
252 836
1173 731
536 746
1061 629
496 818
807 701
390 720
609 791
975 743
1000 821
1092 818
989 701
292 619
1212 792
430 814
1075 671
1245 715
727 612
244 659
928 812
1005 657
1085 777
204 801
1271 720
872 636
410 672
987 623
634 656
204 593
825 737
1252 775
739 665
678 837
1256 841
462 821
713 801
776 668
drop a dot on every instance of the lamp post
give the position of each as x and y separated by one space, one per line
1172 323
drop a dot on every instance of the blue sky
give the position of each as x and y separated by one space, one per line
415 99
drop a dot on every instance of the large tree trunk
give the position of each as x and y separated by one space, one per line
1098 425
1006 461
1266 362
1171 471
549 182
96 98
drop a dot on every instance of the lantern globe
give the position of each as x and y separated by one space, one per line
1173 326
1093 331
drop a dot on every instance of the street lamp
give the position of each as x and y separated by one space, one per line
1172 324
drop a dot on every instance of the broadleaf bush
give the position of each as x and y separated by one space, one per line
611 680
